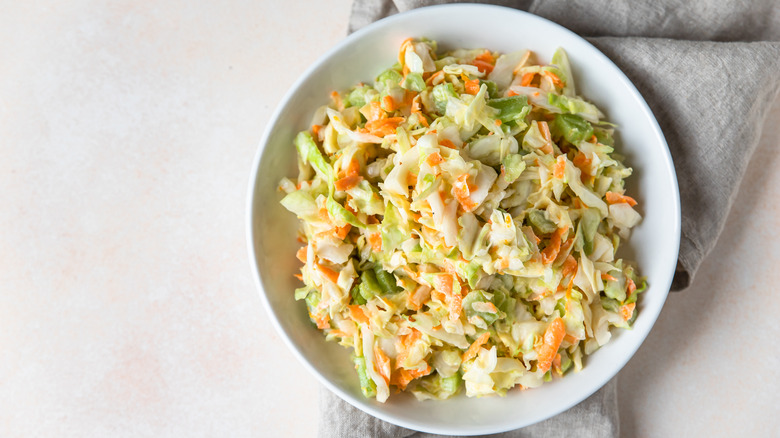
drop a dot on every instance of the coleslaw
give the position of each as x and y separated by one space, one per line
460 219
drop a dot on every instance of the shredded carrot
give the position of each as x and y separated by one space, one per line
298 276
382 363
582 162
472 86
447 143
569 267
434 79
553 337
352 168
416 110
357 314
341 232
486 56
415 300
301 254
605 276
475 346
484 67
545 130
348 182
383 127
443 284
617 198
328 273
497 122
324 216
434 159
556 364
570 339
560 167
388 103
526 79
438 295
460 189
315 129
550 253
375 112
555 79
627 311
401 377
511 93
455 306
375 240
630 285
404 45
323 321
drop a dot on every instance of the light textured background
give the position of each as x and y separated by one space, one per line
127 307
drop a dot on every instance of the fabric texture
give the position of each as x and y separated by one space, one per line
709 70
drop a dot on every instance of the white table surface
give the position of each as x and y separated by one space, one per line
127 307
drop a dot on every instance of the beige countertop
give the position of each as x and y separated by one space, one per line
127 306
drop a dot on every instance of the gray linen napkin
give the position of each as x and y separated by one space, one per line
709 71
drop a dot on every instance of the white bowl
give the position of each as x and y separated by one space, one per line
360 57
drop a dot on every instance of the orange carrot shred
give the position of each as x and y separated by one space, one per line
475 346
560 167
550 253
472 86
484 67
605 276
341 232
328 273
323 321
434 159
382 363
357 314
447 143
375 240
486 56
627 311
460 189
348 182
375 112
617 198
553 337
388 103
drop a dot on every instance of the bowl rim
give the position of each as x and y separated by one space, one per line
648 314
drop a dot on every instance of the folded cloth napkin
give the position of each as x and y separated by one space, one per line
709 71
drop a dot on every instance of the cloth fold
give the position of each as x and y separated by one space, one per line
709 71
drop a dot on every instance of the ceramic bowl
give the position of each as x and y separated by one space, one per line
360 57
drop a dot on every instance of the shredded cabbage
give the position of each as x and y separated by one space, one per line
460 220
